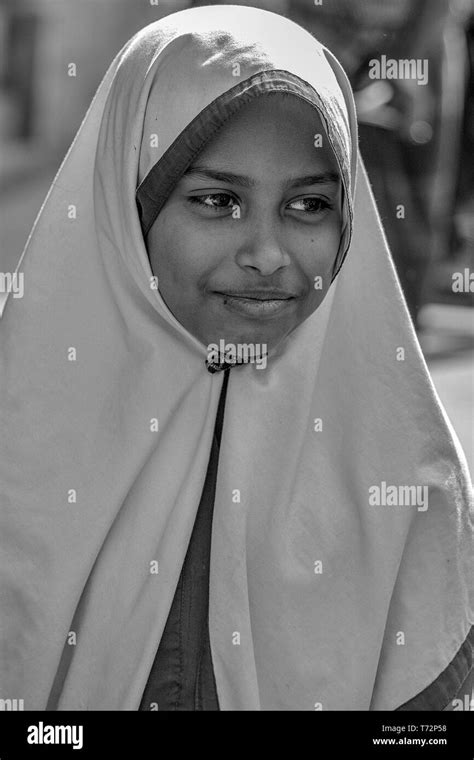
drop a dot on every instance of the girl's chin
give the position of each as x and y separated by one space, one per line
271 334
264 343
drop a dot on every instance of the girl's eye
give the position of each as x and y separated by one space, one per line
214 201
310 205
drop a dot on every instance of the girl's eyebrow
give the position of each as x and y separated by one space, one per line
240 179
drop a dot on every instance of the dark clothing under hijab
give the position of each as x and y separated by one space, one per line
182 676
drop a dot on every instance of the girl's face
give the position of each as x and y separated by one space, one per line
248 228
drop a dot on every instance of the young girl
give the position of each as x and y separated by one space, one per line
227 480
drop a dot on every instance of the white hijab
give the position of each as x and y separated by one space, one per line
318 597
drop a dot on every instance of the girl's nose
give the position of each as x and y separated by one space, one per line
263 250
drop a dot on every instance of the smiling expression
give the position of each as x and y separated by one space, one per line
250 225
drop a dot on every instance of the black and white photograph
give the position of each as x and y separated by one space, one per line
237 365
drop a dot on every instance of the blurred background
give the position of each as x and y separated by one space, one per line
417 140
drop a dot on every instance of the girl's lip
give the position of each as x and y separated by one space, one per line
261 295
256 306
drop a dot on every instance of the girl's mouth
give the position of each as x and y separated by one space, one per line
260 304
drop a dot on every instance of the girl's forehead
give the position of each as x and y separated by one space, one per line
285 126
